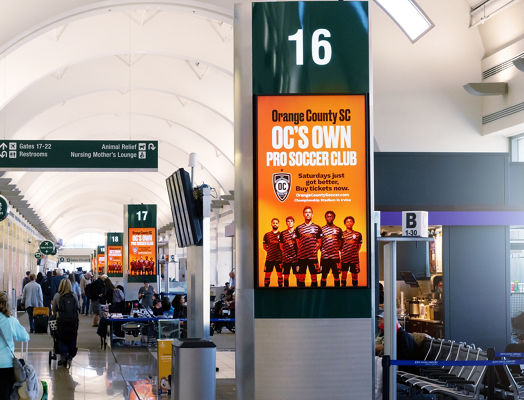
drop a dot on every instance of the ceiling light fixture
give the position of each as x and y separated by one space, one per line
519 63
486 88
408 16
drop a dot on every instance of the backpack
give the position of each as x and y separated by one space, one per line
67 307
46 287
90 291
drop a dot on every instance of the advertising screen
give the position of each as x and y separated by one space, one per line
142 252
101 258
114 260
312 191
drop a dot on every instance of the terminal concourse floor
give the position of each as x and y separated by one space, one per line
124 373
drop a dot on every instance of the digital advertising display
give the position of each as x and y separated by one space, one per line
142 252
115 259
101 260
141 243
312 184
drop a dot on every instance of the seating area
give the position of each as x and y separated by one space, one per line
460 382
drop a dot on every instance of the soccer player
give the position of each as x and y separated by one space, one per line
330 249
352 240
308 239
271 243
288 245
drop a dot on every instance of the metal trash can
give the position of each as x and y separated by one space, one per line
194 369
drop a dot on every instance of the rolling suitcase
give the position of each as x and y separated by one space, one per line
40 311
41 322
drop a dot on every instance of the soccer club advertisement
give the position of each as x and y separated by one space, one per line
312 186
142 252
114 261
101 258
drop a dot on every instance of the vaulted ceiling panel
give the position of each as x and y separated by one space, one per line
120 71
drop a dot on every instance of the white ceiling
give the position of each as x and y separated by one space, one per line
121 70
84 69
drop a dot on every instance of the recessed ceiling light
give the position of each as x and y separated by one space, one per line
519 63
408 16
486 88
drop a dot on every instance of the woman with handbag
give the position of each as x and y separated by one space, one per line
10 330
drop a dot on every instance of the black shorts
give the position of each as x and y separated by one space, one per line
312 265
290 266
329 264
272 264
354 268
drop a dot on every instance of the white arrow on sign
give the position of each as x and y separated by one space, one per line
3 146
151 146
3 154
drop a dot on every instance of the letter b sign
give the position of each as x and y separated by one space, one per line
415 223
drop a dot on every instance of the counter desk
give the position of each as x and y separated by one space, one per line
431 327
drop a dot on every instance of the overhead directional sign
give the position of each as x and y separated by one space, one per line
47 247
71 155
4 208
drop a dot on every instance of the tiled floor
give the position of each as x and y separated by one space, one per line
125 373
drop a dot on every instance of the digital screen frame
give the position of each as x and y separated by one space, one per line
311 151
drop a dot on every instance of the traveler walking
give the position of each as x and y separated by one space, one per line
109 290
65 309
86 279
95 291
75 288
47 290
55 281
32 297
25 281
10 330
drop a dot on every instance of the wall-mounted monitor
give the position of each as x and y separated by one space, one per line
185 209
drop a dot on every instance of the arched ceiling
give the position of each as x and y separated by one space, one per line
163 70
154 70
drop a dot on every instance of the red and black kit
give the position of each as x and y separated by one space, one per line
330 252
273 257
307 239
352 240
288 240
273 252
350 247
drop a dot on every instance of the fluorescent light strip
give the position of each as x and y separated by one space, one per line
408 16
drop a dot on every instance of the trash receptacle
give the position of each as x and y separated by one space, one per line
194 369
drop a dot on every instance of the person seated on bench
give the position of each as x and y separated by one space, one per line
406 346
516 348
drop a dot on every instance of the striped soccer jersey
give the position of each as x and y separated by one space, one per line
307 236
273 247
350 246
331 242
289 246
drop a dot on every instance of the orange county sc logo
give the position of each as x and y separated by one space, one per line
282 185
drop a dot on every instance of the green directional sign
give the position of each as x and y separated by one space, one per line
81 155
4 208
38 255
47 247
